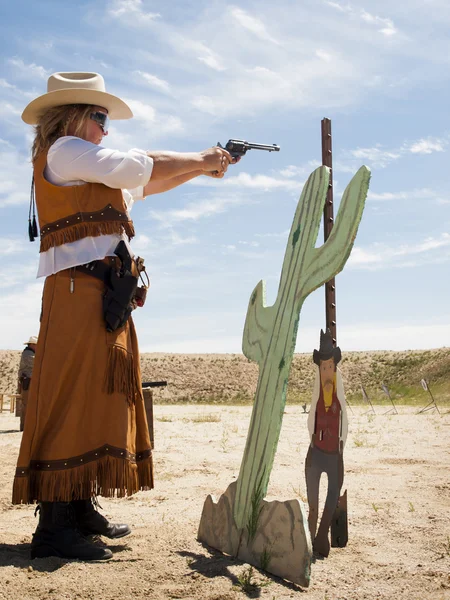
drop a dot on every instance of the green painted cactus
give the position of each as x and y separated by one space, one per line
270 332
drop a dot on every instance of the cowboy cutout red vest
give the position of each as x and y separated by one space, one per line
327 424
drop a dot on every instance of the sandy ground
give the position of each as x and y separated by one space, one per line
397 472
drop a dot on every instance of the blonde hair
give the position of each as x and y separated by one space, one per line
56 122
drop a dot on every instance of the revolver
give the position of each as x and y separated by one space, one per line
238 148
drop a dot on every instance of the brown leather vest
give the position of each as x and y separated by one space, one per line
70 213
327 424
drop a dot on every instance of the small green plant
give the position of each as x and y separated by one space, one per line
211 418
265 558
370 417
359 439
165 419
411 507
224 440
255 511
375 507
245 581
247 584
447 546
299 492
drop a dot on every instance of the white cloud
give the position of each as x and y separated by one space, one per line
132 8
384 25
211 61
20 316
389 336
201 51
377 156
194 211
5 84
158 123
381 157
428 146
21 69
154 81
381 256
281 234
12 246
302 170
7 109
253 24
409 195
15 175
178 240
142 112
326 56
252 244
263 183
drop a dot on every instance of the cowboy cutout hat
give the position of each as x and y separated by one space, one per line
326 349
76 88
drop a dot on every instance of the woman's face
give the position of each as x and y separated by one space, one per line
94 133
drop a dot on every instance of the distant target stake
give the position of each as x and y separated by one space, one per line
385 389
367 399
432 404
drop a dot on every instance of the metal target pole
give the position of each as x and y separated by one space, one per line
328 222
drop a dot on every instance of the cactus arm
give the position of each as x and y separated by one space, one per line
332 256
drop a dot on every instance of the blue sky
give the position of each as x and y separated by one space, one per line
199 72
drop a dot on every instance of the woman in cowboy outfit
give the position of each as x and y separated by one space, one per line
86 431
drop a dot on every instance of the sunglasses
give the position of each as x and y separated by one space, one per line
101 119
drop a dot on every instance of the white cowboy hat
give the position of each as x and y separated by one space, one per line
33 340
76 88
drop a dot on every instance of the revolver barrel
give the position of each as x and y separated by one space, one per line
242 146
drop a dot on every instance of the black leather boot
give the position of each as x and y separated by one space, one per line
91 522
57 535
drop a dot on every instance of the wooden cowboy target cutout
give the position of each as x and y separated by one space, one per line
328 429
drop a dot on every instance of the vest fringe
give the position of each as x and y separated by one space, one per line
82 230
122 374
107 477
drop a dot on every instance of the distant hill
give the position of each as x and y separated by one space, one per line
232 378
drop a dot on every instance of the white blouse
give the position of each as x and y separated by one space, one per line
73 161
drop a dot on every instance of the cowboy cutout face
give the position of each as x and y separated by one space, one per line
327 370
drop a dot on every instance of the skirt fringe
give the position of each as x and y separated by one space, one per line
108 477
122 374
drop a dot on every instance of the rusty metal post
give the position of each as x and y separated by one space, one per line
328 221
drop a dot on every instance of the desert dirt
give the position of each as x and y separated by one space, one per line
397 473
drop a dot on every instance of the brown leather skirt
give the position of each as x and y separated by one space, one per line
86 429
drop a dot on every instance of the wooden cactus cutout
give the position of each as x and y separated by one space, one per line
270 332
269 339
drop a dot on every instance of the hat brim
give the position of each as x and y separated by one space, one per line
117 108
